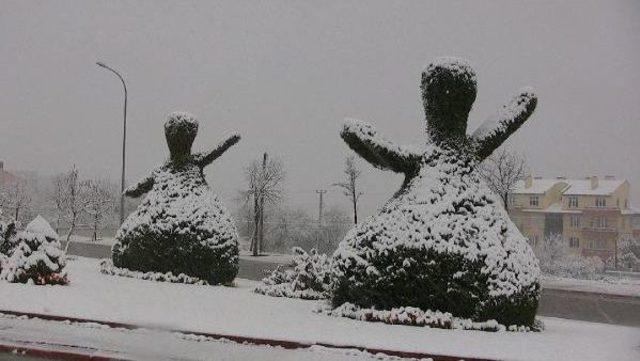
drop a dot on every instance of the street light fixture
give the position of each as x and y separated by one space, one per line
124 135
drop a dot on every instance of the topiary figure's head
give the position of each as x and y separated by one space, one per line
180 130
448 91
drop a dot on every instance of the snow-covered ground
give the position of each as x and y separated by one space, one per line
238 311
109 241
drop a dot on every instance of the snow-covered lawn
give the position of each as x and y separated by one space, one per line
107 241
238 311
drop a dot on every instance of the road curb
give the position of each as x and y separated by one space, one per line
286 344
53 354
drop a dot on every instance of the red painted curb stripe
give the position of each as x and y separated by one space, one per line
52 354
251 340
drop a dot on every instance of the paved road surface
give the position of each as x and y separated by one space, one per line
575 305
594 307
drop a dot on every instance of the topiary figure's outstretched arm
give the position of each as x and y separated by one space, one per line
204 159
381 153
494 131
140 188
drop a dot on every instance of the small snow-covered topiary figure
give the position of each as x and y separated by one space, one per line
35 256
442 242
180 226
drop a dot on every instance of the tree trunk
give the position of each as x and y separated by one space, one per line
256 221
72 228
355 210
505 199
261 231
95 229
17 211
260 241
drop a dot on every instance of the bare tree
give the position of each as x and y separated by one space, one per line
291 227
57 197
68 199
295 227
265 188
16 197
98 201
331 232
502 171
350 185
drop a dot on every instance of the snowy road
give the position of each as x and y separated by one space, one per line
592 307
146 344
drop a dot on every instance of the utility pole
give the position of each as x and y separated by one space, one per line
124 136
320 192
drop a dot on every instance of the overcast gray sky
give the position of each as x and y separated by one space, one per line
285 74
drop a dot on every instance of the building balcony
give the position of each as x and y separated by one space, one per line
595 209
600 230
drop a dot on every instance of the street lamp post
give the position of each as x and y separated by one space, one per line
124 136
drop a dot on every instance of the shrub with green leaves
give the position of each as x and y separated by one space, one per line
308 277
33 256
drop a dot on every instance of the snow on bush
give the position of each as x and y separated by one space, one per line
40 225
556 260
629 253
412 316
7 232
107 268
34 256
307 278
180 226
443 242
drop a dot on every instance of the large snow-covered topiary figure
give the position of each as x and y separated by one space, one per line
443 242
180 226
35 256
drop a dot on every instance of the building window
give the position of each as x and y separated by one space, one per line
598 244
575 221
574 242
601 202
573 202
533 201
626 204
511 199
599 222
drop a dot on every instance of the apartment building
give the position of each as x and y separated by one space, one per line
591 214
6 178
